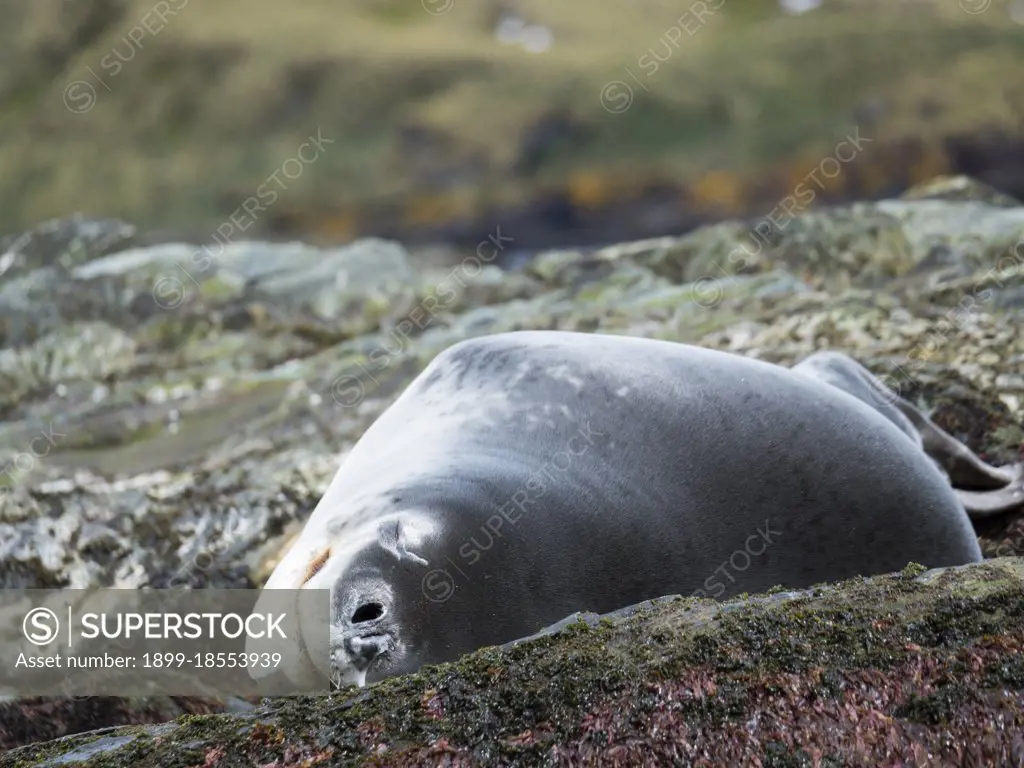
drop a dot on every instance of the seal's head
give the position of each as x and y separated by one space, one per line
366 630
366 571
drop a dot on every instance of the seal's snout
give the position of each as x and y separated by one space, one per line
363 651
366 639
363 635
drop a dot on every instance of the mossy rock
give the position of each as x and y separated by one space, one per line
894 667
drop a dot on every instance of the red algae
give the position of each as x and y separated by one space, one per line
872 722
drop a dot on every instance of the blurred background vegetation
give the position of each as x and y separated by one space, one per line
565 123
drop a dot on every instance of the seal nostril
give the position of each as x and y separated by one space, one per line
367 612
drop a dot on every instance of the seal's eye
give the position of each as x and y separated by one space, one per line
367 612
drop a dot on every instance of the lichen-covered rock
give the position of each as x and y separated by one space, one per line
156 431
959 188
64 243
916 668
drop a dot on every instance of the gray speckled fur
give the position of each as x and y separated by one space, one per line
692 452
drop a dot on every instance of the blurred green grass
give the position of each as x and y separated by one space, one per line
211 104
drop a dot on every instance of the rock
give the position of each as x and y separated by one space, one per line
959 188
64 243
144 444
30 720
901 669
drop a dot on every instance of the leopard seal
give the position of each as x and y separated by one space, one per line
526 476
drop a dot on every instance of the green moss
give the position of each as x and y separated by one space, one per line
37 754
955 619
912 570
935 708
215 290
1007 673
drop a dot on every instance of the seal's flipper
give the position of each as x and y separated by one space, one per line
982 504
964 468
984 490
